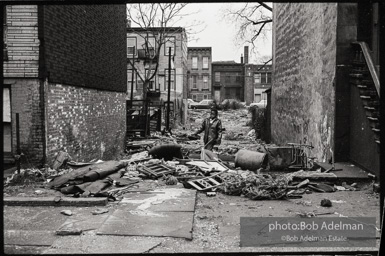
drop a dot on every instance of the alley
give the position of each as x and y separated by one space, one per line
137 221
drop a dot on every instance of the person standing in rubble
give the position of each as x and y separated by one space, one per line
212 126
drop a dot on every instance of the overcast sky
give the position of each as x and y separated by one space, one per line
220 34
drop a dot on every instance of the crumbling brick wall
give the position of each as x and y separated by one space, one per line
86 123
304 53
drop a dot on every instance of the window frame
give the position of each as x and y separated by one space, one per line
192 62
173 79
205 84
129 79
135 52
153 80
194 81
217 75
166 46
203 62
257 77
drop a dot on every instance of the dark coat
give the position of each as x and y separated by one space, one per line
212 131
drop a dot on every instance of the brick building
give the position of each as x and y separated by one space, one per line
257 80
176 38
65 74
227 80
325 86
199 73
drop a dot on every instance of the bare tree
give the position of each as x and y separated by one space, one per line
157 26
254 20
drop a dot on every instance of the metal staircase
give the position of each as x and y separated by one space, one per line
365 77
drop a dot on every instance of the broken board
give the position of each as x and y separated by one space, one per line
156 170
206 183
207 165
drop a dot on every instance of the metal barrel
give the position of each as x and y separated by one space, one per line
251 160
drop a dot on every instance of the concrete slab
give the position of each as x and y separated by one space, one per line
165 212
164 224
50 201
29 237
84 220
32 218
168 200
349 171
102 245
27 250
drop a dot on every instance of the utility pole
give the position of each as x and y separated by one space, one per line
169 90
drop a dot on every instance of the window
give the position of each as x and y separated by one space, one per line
194 96
205 82
257 78
264 78
227 79
194 82
269 78
205 62
217 76
131 46
237 77
169 42
194 62
7 128
149 46
205 96
172 82
129 80
149 73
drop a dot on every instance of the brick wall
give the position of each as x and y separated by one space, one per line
25 100
86 123
304 52
86 45
22 41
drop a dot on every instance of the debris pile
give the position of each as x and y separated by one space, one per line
255 186
236 167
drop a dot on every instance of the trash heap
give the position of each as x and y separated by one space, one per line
255 186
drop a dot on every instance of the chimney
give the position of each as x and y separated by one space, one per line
241 59
246 52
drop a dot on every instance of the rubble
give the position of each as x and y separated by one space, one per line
66 212
99 211
234 168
